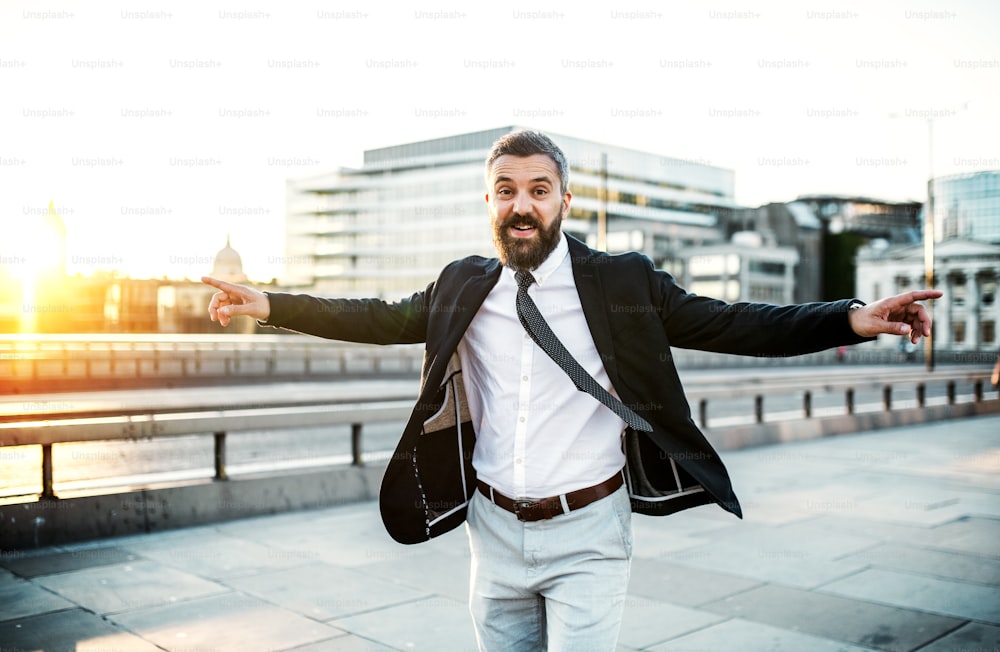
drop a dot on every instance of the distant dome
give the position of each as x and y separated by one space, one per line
228 265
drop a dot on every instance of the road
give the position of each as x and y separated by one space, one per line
87 466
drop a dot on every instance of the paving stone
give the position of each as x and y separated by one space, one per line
974 637
121 587
877 529
62 562
978 536
662 545
676 584
912 591
790 563
431 572
902 521
746 636
73 630
221 557
937 563
695 524
346 643
432 624
322 592
330 523
354 539
20 598
836 618
801 539
648 622
223 623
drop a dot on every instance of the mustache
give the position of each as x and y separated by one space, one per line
525 220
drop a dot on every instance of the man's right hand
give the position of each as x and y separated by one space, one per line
232 300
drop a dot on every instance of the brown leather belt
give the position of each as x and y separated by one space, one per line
530 509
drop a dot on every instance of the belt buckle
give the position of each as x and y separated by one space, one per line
522 503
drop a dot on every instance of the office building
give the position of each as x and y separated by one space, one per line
387 228
968 206
748 268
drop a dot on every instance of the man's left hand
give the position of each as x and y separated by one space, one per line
898 315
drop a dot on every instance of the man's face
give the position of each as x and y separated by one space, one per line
526 205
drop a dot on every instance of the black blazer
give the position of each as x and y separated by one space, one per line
635 314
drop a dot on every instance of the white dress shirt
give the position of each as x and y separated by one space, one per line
537 435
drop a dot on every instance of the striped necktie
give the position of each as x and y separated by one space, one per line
536 327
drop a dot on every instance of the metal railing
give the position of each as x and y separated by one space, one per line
56 362
59 360
808 386
74 427
176 424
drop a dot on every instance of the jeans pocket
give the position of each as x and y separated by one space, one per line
623 519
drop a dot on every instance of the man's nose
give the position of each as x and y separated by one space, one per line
522 204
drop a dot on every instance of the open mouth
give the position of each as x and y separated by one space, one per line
522 230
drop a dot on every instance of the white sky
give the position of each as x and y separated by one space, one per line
796 97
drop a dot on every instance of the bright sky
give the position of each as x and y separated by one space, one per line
158 128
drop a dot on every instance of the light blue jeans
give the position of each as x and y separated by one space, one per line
557 584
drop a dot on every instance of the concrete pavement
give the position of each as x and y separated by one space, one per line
887 540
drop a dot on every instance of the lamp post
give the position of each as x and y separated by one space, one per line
602 209
929 240
929 226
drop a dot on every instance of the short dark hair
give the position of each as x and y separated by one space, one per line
525 142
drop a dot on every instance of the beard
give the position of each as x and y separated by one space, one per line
526 254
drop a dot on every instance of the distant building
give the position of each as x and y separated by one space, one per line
36 296
746 269
228 265
966 317
182 306
895 221
792 226
826 231
968 206
388 228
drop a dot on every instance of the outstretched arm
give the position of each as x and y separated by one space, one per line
898 315
232 300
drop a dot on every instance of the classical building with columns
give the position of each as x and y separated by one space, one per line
967 271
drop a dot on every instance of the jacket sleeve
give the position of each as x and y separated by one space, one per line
744 328
370 321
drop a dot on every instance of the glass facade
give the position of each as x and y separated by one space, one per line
386 229
968 206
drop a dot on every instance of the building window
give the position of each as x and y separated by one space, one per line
958 332
768 267
989 290
988 332
956 288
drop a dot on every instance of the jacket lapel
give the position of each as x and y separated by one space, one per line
463 308
594 303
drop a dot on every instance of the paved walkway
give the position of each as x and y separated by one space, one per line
886 540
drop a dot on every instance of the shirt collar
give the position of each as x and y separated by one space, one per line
550 264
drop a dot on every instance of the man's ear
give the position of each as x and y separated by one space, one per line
487 197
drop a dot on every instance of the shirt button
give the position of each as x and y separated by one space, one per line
524 378
518 460
521 419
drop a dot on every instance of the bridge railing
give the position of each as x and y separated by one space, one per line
970 387
42 363
54 362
